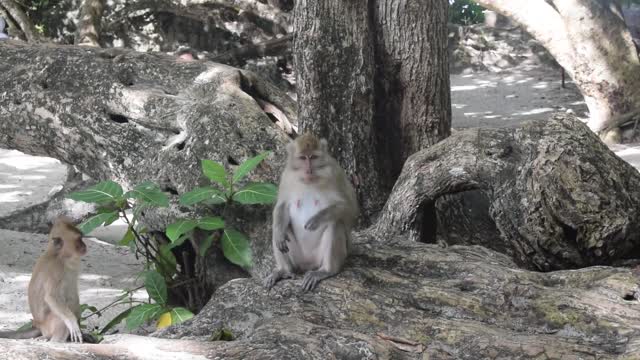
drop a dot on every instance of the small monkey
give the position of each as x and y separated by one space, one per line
53 289
313 216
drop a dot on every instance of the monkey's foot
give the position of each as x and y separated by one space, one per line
312 278
276 276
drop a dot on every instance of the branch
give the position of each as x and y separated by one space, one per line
89 24
22 19
543 22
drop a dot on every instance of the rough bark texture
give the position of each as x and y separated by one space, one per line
590 40
335 70
558 196
18 15
89 23
455 303
132 117
372 78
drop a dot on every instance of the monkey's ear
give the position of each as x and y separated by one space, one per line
57 243
323 145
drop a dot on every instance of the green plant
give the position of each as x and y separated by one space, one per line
465 12
162 275
235 245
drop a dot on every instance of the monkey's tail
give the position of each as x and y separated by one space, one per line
21 334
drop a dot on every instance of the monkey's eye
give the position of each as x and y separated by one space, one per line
302 157
313 157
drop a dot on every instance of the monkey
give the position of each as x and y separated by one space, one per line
315 211
53 288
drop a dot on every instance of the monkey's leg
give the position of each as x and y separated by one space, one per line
57 329
284 267
334 253
63 313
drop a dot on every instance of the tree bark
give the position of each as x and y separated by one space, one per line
558 196
456 303
21 19
373 79
590 40
130 117
89 23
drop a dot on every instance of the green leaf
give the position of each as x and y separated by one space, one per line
166 261
236 248
215 172
115 321
180 241
209 194
128 237
26 326
210 223
246 167
205 245
180 314
141 313
138 209
178 228
103 192
156 288
256 193
93 222
150 193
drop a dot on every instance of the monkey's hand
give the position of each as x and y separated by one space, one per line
281 244
315 221
75 335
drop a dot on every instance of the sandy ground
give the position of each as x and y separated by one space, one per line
478 100
107 269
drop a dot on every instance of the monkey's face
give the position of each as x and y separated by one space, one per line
311 167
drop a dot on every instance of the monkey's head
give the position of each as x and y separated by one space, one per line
309 159
65 240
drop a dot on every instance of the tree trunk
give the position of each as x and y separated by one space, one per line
21 19
590 40
130 117
558 197
89 23
373 79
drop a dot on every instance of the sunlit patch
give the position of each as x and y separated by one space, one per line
8 186
534 111
478 113
28 177
14 196
464 88
94 277
22 161
8 317
458 106
492 116
541 85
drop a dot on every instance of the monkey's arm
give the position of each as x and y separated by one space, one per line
338 211
67 316
281 222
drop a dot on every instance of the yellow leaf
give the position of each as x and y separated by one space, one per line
164 320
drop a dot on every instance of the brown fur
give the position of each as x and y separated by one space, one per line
53 289
307 143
